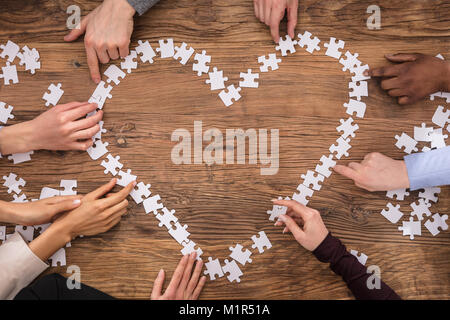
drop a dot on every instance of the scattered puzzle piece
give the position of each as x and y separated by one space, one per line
166 49
216 79
420 208
166 218
114 74
200 66
347 128
333 48
10 49
437 222
179 232
53 95
271 62
311 43
29 58
145 51
407 142
310 179
327 163
183 53
98 149
152 204
355 106
142 191
285 45
5 112
112 164
13 184
303 195
398 193
227 96
233 270
248 79
213 269
241 256
260 242
393 214
411 228
9 74
129 62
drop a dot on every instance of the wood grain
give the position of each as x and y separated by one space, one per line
225 204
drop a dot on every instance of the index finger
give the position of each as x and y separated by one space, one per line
389 71
101 191
275 19
178 274
346 171
298 208
119 196
92 62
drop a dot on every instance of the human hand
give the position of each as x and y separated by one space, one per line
413 77
108 31
37 212
304 223
62 127
271 12
376 172
96 214
184 285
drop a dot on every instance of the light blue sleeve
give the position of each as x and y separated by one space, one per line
428 169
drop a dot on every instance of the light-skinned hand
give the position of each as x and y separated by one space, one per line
186 283
63 127
97 213
304 223
376 172
108 30
271 12
37 212
413 76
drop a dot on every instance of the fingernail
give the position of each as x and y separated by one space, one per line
160 272
193 254
134 183
273 200
76 201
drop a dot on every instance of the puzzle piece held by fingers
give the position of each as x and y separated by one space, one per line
285 45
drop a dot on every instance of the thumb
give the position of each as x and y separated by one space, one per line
293 227
78 31
402 57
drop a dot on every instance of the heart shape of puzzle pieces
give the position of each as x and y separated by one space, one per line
312 179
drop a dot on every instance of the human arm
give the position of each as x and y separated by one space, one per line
428 169
108 30
20 262
186 283
308 229
62 127
271 12
413 77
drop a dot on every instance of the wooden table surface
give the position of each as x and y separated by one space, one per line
226 204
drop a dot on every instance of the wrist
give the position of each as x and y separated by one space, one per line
17 138
404 182
123 7
62 231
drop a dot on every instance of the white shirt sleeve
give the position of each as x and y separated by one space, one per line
18 266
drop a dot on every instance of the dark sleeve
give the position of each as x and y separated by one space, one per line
141 6
355 275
